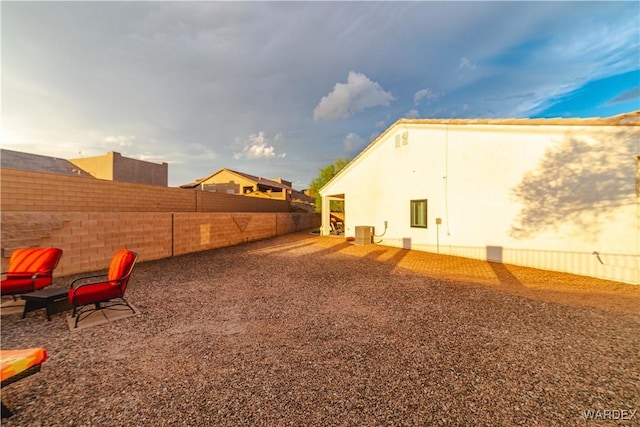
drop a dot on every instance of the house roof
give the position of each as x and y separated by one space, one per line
37 163
626 119
258 180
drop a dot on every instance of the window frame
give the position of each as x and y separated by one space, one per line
413 207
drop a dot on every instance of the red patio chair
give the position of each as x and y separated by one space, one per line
30 269
87 293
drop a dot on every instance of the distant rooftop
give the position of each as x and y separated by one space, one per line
37 163
259 180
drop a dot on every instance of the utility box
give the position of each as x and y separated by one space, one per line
364 235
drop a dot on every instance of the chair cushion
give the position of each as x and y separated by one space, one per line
121 264
33 260
94 292
13 362
15 284
24 263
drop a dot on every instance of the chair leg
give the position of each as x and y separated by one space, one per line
6 413
78 313
127 304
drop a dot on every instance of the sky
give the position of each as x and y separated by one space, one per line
282 89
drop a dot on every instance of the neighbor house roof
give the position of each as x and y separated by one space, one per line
258 180
37 163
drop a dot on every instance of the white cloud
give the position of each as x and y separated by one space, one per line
347 98
412 114
195 151
465 63
424 93
120 140
381 124
257 147
626 96
354 143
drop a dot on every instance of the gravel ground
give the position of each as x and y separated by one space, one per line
313 331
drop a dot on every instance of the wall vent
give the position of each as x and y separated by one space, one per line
402 139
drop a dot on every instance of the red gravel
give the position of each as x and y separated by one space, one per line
304 330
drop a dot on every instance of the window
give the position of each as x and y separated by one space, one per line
419 213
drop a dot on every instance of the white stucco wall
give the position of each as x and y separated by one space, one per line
545 196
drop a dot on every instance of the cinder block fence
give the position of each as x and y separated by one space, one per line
90 219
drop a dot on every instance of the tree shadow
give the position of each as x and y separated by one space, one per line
580 181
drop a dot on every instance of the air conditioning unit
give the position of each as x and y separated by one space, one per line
364 235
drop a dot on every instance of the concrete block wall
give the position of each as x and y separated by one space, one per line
207 201
297 221
90 238
36 191
198 232
45 192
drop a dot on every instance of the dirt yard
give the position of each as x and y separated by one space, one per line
304 330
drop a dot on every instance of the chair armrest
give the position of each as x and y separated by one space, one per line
42 273
85 278
28 273
99 282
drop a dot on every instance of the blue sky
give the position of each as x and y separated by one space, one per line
280 89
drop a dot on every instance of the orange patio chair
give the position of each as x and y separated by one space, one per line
30 269
18 364
86 294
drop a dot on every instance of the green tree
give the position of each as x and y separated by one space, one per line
324 175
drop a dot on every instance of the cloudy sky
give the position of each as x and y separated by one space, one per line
282 89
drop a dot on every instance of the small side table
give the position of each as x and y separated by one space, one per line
54 300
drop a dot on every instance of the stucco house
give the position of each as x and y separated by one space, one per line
234 182
115 167
555 194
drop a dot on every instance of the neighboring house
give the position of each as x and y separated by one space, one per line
114 167
37 163
233 182
556 194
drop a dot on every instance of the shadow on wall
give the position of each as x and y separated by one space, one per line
580 181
